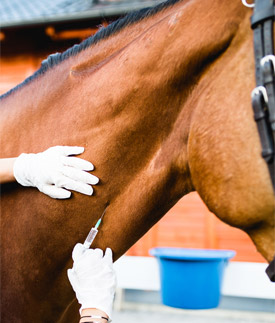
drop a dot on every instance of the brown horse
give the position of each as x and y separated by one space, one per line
161 102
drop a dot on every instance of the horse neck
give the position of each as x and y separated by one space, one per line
136 83
141 77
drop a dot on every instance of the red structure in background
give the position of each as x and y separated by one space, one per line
188 224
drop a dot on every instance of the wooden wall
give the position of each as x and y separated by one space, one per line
188 224
14 69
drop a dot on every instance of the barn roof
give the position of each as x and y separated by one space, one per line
19 13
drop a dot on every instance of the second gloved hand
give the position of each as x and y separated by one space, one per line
93 278
54 172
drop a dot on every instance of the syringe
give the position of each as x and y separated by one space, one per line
93 232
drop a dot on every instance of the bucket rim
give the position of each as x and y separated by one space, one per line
191 253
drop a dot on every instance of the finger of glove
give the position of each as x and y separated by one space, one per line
79 187
78 251
97 253
72 278
108 257
78 163
88 261
87 256
55 192
80 175
69 150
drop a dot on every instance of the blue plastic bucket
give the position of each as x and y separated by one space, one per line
191 278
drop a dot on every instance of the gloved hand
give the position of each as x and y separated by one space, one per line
93 278
52 172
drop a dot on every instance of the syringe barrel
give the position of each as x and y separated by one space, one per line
90 238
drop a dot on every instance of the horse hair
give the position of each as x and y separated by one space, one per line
103 33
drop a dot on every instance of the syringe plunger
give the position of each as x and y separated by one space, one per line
93 232
90 238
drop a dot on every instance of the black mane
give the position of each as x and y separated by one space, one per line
103 33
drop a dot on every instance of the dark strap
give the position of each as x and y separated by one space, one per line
263 96
263 10
270 270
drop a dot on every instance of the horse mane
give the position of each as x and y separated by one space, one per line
103 33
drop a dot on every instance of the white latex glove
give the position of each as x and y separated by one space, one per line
53 171
93 278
